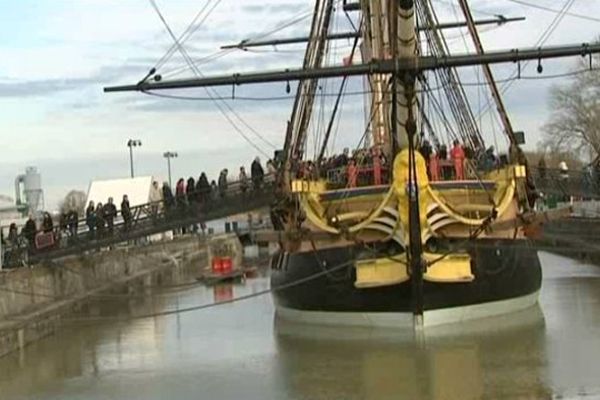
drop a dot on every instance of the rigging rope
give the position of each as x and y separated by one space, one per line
541 7
541 40
209 91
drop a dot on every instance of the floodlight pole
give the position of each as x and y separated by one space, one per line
168 155
131 143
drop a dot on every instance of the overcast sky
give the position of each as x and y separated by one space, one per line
57 55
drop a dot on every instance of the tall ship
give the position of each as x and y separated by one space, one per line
421 222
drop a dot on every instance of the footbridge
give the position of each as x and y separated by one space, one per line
153 218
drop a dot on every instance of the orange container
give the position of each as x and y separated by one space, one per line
226 265
217 265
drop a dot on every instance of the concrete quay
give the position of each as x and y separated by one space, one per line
33 300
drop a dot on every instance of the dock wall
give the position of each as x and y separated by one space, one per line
576 237
32 300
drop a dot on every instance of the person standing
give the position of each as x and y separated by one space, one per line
13 234
47 224
180 193
156 199
29 231
377 165
563 170
214 190
257 173
90 218
126 212
203 188
73 223
190 190
458 158
352 173
167 195
243 179
100 222
542 167
443 153
223 183
109 213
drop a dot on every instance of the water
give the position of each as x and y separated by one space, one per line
238 351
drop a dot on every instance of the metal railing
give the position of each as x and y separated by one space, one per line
146 220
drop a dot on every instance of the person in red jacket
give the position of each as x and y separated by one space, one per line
458 157
352 173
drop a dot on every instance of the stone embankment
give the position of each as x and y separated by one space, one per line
33 300
575 237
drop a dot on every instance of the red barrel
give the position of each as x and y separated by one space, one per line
226 265
217 265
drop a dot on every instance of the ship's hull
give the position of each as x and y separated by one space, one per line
507 278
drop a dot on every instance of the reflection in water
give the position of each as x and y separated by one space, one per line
237 351
503 356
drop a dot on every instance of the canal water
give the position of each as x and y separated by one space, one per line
239 351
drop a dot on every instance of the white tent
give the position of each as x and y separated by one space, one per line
137 190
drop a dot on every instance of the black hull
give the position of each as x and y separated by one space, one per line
503 270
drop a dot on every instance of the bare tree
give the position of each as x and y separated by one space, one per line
73 201
574 125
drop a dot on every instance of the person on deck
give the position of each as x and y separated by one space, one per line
490 160
377 164
352 173
458 157
109 212
443 153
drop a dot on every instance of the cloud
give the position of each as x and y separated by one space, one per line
53 71
40 87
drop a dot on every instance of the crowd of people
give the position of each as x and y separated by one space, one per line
365 166
100 218
458 163
369 166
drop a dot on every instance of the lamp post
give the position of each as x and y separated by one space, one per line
168 155
131 143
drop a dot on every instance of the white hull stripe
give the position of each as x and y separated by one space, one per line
405 319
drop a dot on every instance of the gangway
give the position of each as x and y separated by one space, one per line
155 218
